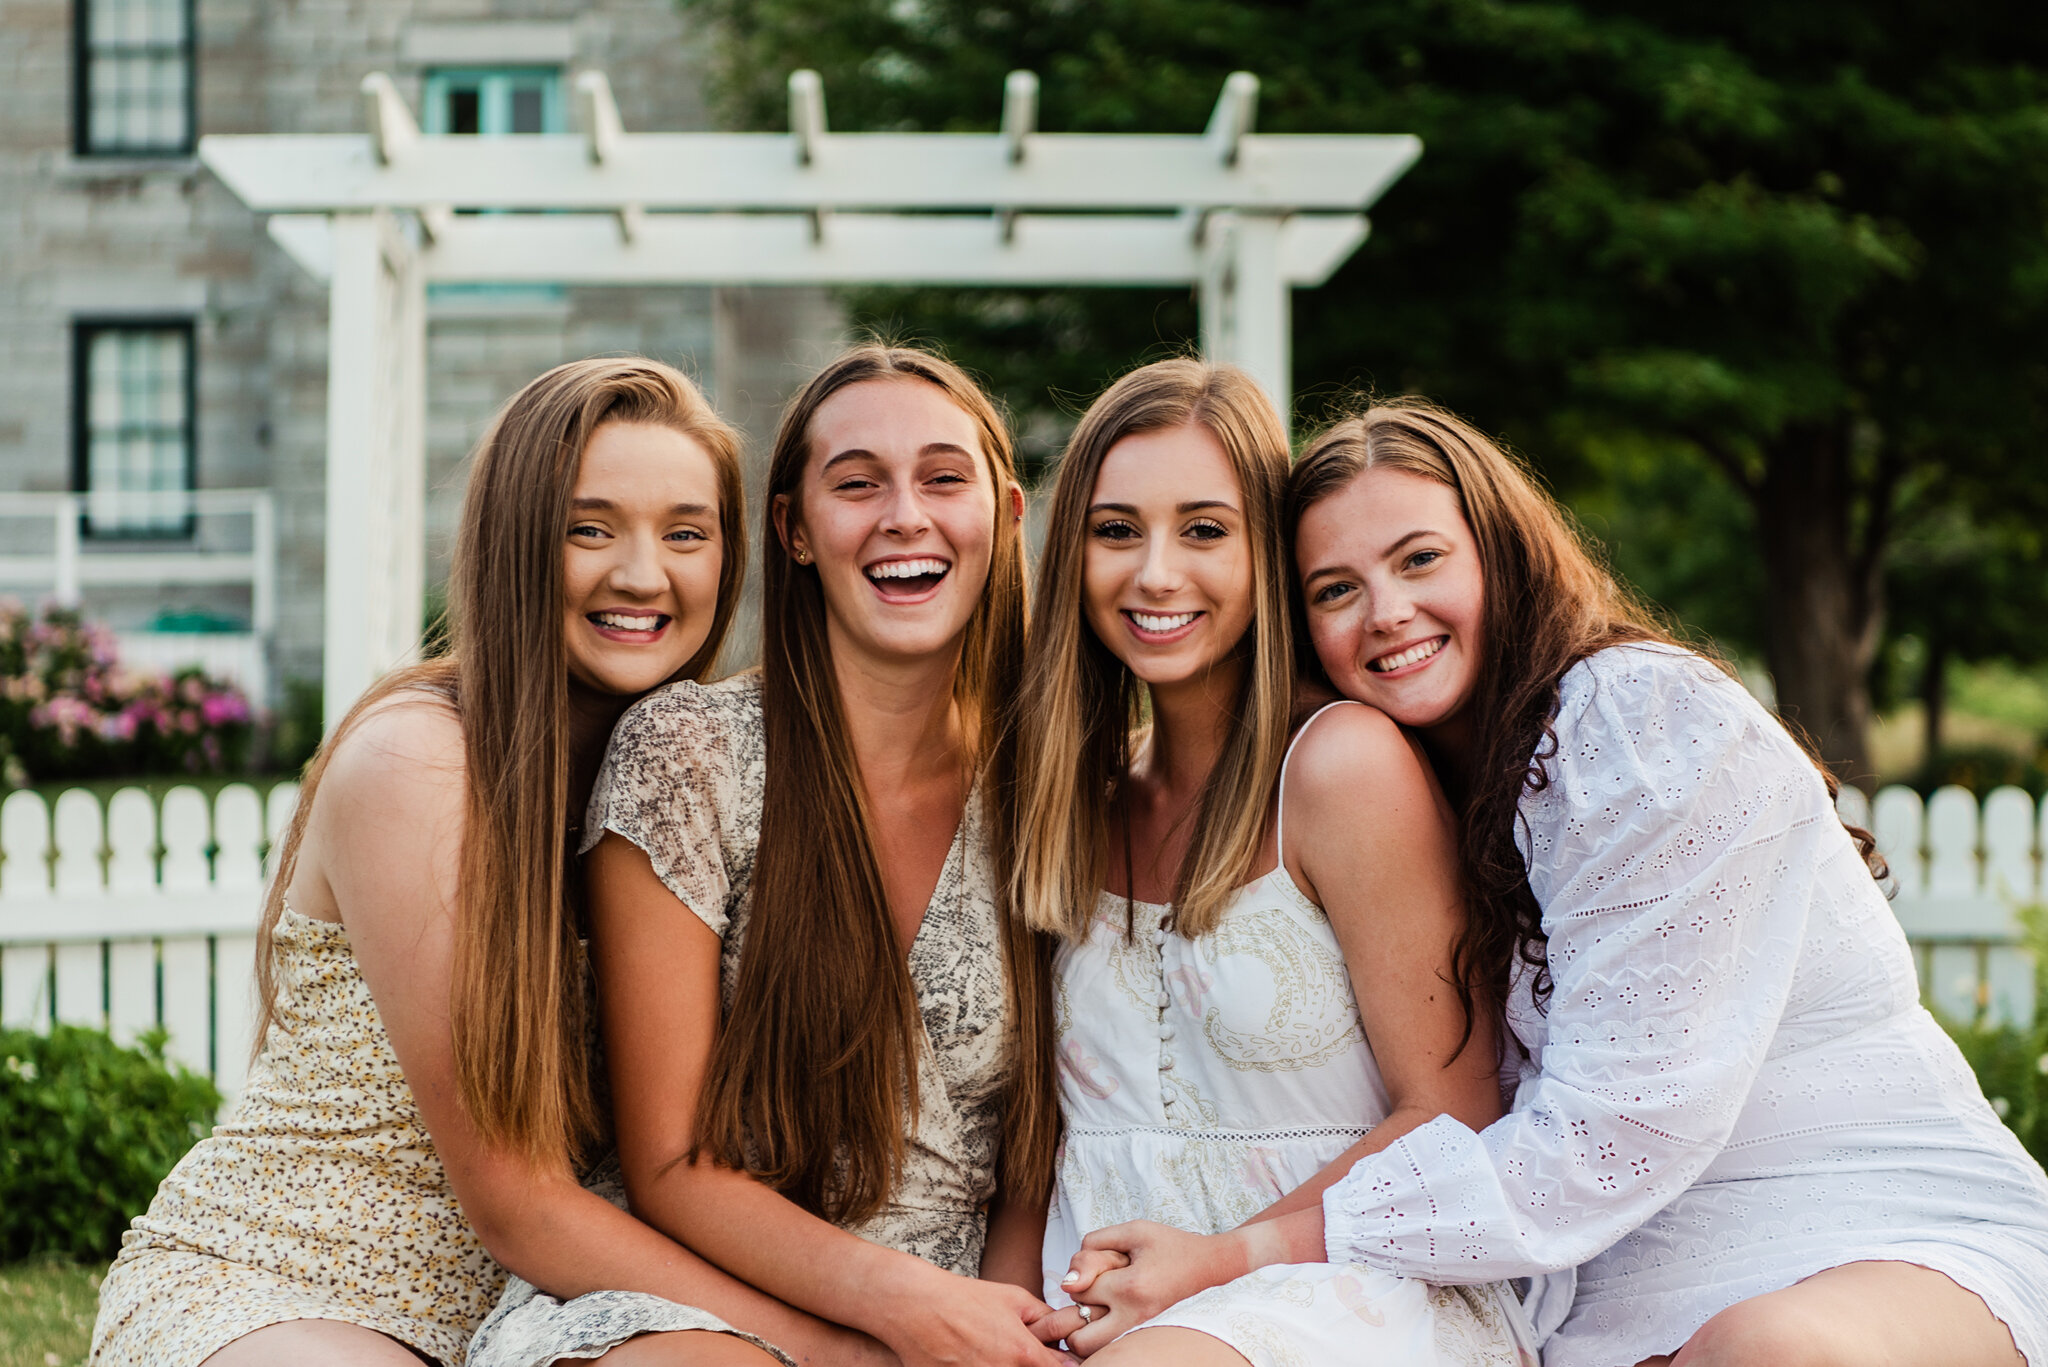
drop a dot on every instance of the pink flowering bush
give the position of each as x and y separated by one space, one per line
69 710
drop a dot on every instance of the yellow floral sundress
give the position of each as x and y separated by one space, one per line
320 1197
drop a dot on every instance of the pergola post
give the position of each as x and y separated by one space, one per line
376 454
1247 313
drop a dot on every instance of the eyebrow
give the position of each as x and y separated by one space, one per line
1340 568
1415 535
605 505
934 448
1192 506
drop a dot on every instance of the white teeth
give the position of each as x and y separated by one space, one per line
1148 622
1388 663
621 621
905 569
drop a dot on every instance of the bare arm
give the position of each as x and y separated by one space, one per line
657 962
1381 859
383 853
1016 1244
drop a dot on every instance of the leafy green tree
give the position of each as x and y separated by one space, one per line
1800 247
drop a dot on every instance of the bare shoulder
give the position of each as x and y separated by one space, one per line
1349 753
405 752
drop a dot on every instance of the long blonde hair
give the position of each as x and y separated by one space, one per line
1081 707
517 1008
808 1083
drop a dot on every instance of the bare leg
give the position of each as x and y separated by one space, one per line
314 1343
1168 1347
1873 1314
687 1348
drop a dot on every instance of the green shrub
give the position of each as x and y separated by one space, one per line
2011 1061
87 1131
2011 1065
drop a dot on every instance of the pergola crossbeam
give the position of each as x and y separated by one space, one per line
1057 172
779 249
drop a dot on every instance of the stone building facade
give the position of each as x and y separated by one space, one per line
152 337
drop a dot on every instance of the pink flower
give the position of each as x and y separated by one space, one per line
220 709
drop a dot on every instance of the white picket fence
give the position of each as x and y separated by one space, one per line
131 917
1964 871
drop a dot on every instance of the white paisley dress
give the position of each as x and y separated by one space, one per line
1204 1078
319 1197
684 781
1733 1085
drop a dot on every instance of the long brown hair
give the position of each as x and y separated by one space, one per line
517 1009
1081 706
1548 603
809 1081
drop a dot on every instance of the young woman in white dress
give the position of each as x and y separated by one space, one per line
1255 982
830 1065
1734 1115
412 1126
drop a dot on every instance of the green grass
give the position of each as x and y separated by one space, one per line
46 1313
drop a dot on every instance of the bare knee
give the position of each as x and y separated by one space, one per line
1766 1331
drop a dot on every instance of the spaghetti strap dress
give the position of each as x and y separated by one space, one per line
684 781
319 1197
1203 1078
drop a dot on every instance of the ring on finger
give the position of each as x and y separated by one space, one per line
1087 1313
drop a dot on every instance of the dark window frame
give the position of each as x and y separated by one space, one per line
81 89
83 330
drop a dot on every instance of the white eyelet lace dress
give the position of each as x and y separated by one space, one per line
1203 1079
1735 1085
684 780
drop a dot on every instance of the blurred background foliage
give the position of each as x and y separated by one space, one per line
1761 290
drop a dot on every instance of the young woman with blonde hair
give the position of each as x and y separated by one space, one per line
829 1058
421 1097
1255 984
1734 1116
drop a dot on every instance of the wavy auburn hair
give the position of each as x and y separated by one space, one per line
1082 706
1548 603
517 1009
817 1059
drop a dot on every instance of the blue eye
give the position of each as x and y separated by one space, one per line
1422 560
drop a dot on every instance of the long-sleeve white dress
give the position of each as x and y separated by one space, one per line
1734 1084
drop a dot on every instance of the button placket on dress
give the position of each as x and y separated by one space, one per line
1165 1002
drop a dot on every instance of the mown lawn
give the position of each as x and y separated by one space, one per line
46 1311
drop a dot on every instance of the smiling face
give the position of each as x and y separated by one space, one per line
1393 586
1167 573
896 511
642 557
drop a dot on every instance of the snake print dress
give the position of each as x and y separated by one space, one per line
684 781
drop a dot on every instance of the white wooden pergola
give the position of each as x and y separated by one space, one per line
1243 217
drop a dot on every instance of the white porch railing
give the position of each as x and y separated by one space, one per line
233 541
127 918
131 917
73 562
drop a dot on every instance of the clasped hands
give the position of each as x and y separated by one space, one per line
1126 1274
